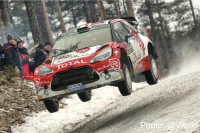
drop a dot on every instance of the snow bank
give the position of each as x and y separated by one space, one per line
72 111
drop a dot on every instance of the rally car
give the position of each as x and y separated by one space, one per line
93 55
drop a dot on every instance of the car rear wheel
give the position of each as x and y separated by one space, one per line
51 105
152 75
85 96
125 87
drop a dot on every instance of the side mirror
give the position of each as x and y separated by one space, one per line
127 37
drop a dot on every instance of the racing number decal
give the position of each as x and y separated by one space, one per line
130 47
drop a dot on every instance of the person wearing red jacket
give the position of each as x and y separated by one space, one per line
25 58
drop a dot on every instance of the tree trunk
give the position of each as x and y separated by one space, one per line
5 18
163 35
87 11
3 37
153 34
46 20
119 8
74 17
41 20
101 9
124 8
93 11
130 8
9 12
193 14
60 16
116 9
33 20
5 13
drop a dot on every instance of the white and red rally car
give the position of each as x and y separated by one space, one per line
111 52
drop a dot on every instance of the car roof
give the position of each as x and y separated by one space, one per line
89 25
100 23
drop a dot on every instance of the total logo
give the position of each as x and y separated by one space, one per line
70 63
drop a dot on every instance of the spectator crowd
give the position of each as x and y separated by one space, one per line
14 54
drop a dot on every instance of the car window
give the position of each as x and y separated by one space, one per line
120 31
129 26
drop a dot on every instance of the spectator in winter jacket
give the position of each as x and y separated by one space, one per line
42 53
11 54
25 58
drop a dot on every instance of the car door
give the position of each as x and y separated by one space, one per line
134 32
132 45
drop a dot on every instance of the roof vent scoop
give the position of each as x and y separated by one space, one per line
82 30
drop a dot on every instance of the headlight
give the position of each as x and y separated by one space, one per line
103 55
44 70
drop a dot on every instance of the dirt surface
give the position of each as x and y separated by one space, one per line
17 100
171 106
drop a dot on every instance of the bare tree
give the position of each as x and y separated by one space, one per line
60 16
163 34
116 9
101 9
130 8
193 14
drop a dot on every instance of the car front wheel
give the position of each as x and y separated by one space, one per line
51 105
85 96
125 87
152 75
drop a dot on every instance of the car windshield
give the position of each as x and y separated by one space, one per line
74 40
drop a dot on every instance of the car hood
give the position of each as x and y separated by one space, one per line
84 52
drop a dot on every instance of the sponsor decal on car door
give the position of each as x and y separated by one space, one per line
134 50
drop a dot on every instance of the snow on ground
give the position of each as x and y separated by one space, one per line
72 111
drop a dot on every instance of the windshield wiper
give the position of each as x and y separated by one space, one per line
73 47
59 51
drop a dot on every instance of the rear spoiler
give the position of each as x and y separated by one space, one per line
131 20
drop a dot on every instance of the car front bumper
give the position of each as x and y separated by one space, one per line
107 78
79 79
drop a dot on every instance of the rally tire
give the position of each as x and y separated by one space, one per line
51 105
151 75
125 86
85 96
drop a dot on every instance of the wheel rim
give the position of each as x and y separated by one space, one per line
128 78
154 68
